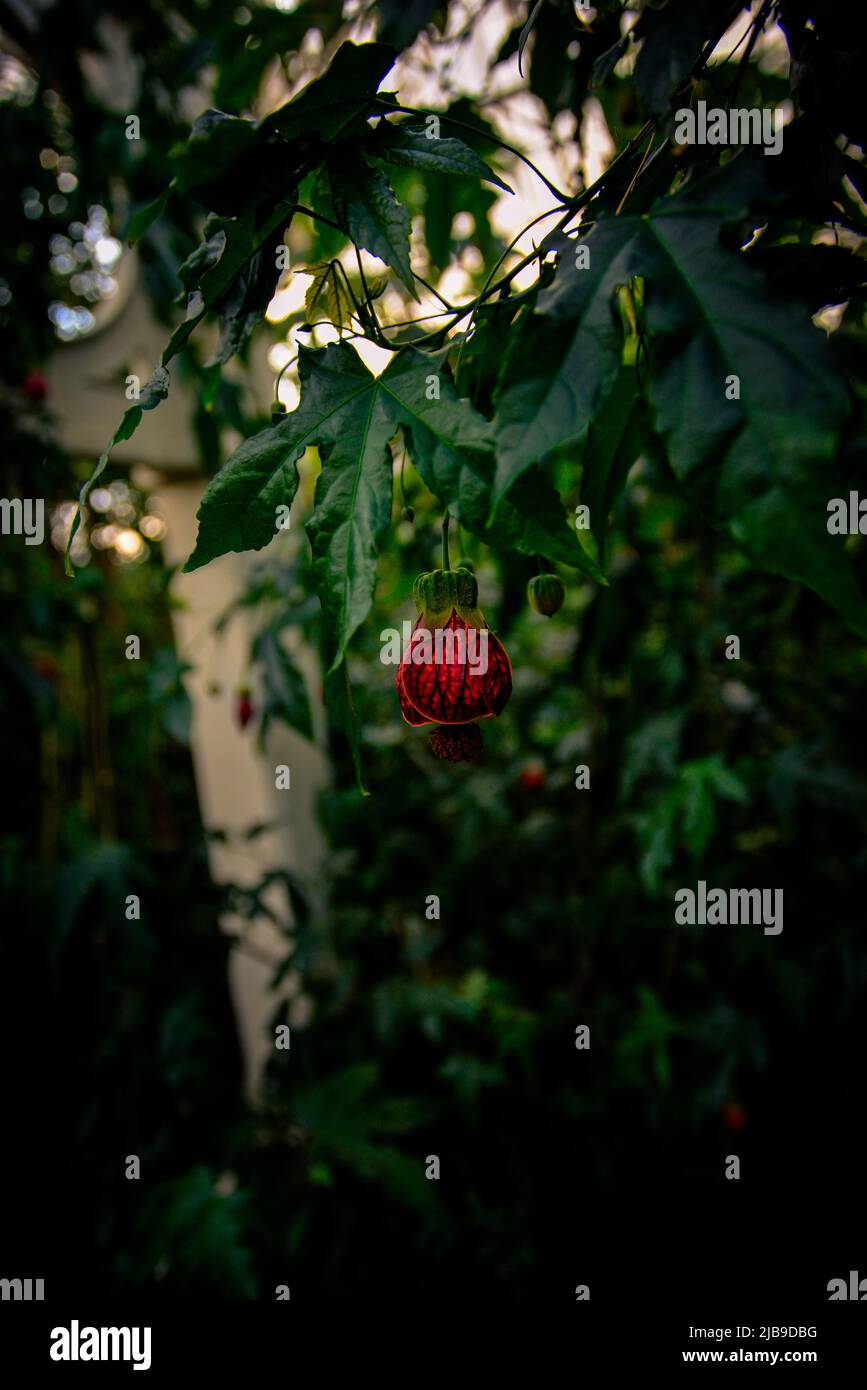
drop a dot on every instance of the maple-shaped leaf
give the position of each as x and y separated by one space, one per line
351 415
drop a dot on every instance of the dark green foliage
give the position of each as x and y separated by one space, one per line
601 385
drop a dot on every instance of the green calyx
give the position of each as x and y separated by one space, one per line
546 593
441 592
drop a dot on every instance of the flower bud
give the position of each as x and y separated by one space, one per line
546 593
442 590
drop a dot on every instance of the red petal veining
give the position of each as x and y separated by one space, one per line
450 690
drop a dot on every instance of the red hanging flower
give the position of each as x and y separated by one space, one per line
734 1116
35 387
244 710
453 670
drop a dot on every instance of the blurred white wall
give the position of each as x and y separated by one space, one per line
235 782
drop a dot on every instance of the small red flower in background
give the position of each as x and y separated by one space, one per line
35 387
244 707
46 667
734 1116
533 777
453 670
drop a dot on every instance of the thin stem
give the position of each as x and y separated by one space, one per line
759 23
400 476
570 207
637 173
446 562
433 290
701 62
725 62
279 377
368 302
338 265
318 217
488 288
422 318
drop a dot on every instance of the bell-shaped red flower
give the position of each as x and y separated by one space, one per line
453 669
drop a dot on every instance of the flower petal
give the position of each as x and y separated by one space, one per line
446 674
407 709
498 681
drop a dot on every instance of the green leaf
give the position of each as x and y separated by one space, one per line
524 36
239 508
320 274
561 362
204 256
368 211
351 416
342 410
339 101
353 498
412 146
761 465
647 1038
155 389
201 1232
672 40
284 691
244 236
614 442
242 308
216 142
330 278
106 865
401 21
146 216
451 445
447 196
332 106
346 1113
341 706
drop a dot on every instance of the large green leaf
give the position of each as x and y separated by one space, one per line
339 101
239 508
761 465
451 446
370 214
351 416
561 363
344 413
259 204
352 505
216 142
613 444
341 705
672 38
